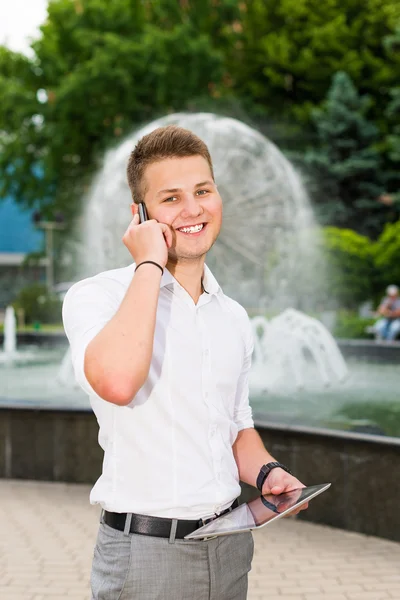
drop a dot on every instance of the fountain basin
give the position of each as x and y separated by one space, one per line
366 401
61 445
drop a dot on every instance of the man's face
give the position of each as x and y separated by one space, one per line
181 193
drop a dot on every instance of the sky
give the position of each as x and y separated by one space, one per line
19 20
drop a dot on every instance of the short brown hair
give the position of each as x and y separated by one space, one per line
165 142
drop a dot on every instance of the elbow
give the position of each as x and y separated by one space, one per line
113 387
113 382
116 390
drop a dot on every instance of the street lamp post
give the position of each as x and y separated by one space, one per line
49 227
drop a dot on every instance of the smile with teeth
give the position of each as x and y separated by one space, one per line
192 229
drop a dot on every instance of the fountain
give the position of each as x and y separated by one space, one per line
261 255
262 252
264 258
300 387
283 349
65 375
10 332
10 353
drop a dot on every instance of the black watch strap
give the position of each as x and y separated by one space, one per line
266 470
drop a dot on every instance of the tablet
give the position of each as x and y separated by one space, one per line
259 512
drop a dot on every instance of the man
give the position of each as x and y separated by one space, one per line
388 326
165 357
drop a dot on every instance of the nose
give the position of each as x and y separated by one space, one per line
192 207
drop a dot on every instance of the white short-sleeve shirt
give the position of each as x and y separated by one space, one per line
169 452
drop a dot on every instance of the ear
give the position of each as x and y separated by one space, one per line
134 208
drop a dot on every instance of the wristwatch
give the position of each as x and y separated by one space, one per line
266 470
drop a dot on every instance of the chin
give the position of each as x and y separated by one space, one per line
187 254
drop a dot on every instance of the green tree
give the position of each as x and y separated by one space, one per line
390 144
393 114
99 69
346 162
285 53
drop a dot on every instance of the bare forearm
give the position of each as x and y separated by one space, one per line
117 360
250 454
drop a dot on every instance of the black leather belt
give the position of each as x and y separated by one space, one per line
158 526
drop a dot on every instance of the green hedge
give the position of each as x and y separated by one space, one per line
351 272
38 305
350 325
358 268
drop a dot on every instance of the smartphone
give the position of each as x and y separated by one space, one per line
142 213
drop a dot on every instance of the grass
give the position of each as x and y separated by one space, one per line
45 328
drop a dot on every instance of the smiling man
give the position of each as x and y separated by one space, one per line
164 355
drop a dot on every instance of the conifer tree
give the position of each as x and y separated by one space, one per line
346 162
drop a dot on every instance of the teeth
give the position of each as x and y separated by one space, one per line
194 229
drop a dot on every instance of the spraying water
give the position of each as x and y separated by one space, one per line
261 255
10 332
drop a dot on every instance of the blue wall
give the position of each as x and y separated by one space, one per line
17 231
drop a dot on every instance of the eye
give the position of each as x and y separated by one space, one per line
170 199
202 192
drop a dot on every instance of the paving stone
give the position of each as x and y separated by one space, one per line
49 531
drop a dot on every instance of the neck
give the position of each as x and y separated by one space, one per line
189 274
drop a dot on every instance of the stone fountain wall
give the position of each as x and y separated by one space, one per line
59 445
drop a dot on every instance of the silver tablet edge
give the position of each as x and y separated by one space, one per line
202 537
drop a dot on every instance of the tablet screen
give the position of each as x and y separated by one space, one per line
258 512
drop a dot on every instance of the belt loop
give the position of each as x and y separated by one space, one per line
172 534
128 521
102 516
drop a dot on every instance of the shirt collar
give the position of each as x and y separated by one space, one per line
210 284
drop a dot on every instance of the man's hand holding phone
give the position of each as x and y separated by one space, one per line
148 241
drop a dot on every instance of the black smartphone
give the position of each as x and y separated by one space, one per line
142 212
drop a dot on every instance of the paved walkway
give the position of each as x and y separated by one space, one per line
47 534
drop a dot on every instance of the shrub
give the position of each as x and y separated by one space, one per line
386 252
350 325
38 305
350 266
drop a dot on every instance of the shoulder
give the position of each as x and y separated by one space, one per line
239 314
237 310
109 284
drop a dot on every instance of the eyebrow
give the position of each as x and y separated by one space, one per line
175 190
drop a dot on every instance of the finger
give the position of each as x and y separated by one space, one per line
136 219
167 234
302 507
277 489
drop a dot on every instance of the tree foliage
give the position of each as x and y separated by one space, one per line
99 68
346 163
102 68
286 52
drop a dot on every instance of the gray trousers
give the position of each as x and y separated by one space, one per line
139 567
